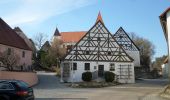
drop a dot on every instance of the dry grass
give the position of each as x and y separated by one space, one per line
166 93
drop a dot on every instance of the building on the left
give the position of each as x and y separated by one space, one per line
13 42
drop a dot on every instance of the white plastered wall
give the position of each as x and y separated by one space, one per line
136 57
76 75
168 32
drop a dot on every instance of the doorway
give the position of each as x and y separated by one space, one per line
101 70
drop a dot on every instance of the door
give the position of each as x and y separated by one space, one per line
101 70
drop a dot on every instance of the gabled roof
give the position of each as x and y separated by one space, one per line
24 37
124 40
57 33
46 46
163 21
69 37
9 37
98 44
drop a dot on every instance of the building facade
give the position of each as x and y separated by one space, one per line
128 45
97 51
165 22
11 42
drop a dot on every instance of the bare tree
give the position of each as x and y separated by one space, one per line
39 40
9 61
147 49
56 51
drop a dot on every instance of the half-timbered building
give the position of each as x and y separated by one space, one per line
128 45
97 51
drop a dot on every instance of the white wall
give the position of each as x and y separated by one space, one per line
76 75
131 79
165 70
136 56
168 31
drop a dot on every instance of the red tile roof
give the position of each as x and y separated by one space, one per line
72 36
9 37
164 13
69 37
99 17
163 21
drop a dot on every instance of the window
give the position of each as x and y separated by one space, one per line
23 54
87 52
87 66
98 39
95 67
109 53
6 86
112 67
9 51
74 66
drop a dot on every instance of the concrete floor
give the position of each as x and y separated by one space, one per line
49 88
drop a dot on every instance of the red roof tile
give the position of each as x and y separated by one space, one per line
72 36
9 37
99 17
163 14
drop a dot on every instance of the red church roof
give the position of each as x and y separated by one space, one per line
69 37
9 37
72 36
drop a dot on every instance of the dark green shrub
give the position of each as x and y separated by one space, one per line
87 76
109 76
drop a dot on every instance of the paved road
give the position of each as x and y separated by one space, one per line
49 88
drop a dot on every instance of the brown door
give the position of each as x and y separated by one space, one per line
101 70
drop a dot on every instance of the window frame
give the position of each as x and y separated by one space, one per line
74 66
9 50
87 66
23 54
112 67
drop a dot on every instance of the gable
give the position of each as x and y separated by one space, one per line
98 44
124 40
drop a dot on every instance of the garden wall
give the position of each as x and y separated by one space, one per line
28 77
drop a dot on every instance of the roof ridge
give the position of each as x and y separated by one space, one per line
9 37
72 31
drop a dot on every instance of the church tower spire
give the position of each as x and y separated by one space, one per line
99 17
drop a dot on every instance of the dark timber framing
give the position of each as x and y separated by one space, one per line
100 45
124 40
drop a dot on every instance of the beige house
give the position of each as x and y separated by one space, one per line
10 42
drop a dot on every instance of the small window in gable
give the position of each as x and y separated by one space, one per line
98 39
9 51
109 53
23 54
87 52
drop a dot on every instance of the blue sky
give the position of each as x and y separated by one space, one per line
138 16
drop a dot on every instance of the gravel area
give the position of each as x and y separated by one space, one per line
50 88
